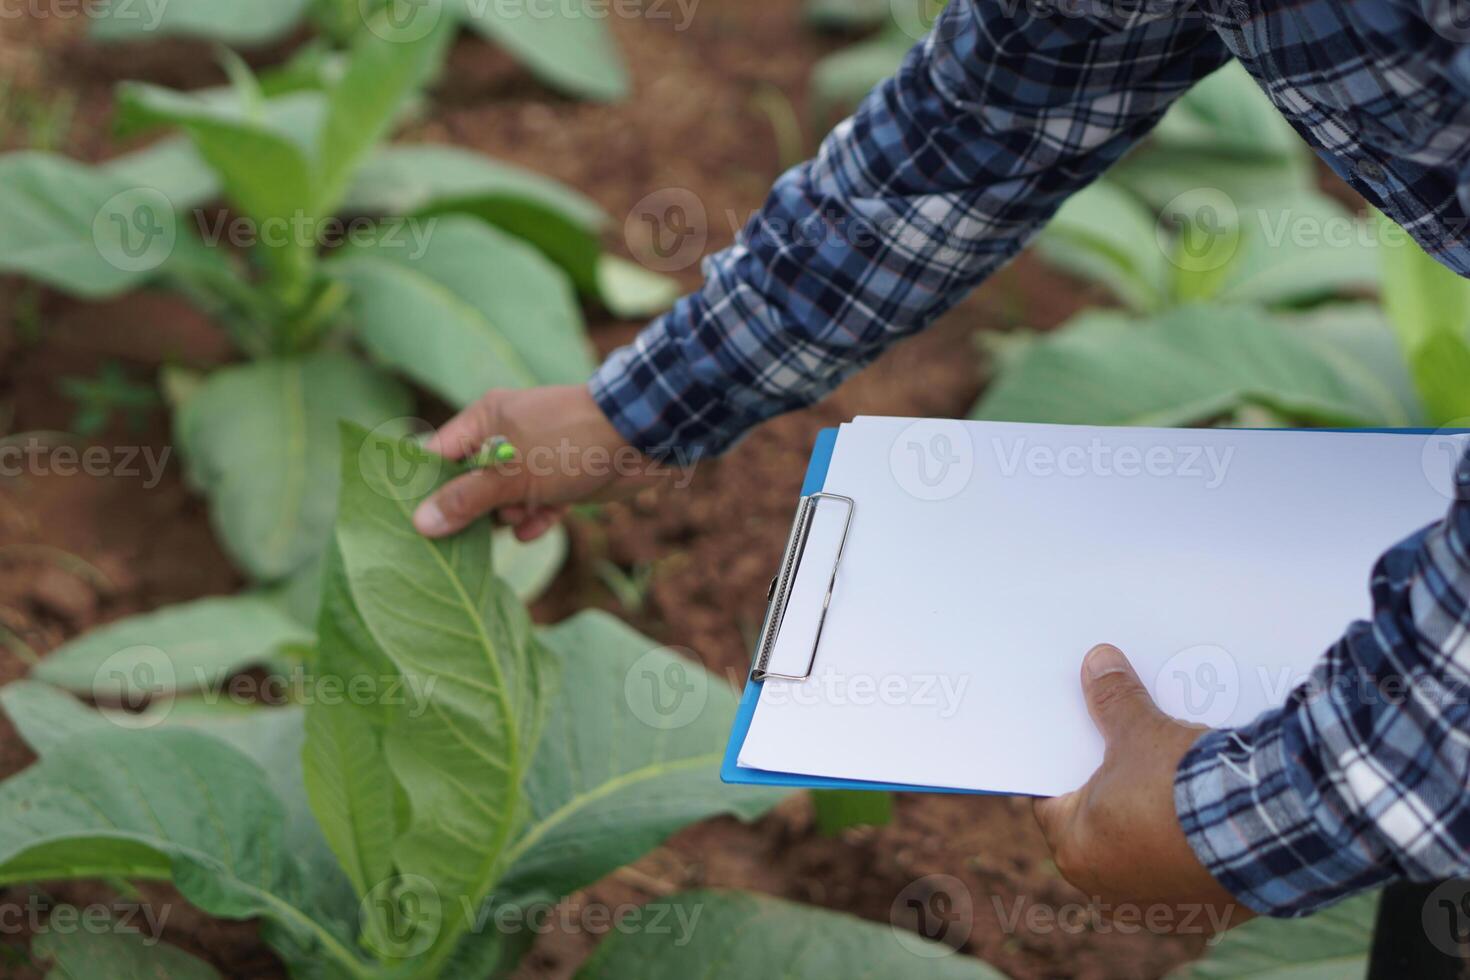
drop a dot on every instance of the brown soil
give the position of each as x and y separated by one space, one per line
710 548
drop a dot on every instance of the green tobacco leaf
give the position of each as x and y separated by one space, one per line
1331 943
118 953
841 80
264 160
476 310
432 616
632 292
527 567
567 45
85 231
1228 114
388 63
728 935
170 165
161 804
839 809
632 753
261 441
1429 307
1189 365
1298 248
845 15
1105 234
187 646
45 716
225 21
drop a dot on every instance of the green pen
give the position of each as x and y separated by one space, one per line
495 451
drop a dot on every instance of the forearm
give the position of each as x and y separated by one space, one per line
944 173
1359 778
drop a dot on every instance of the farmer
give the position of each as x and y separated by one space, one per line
944 173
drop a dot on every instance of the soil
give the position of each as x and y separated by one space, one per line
76 551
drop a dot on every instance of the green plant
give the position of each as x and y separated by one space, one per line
1352 364
565 44
841 809
1332 943
840 80
484 295
110 391
482 765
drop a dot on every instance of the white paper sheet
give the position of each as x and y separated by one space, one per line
984 560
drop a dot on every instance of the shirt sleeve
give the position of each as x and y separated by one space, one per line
1360 778
945 172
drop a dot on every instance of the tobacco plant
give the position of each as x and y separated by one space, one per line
461 275
482 763
566 44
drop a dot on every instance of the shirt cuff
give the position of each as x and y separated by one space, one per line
656 394
1272 843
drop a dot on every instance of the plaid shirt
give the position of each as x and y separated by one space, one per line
946 171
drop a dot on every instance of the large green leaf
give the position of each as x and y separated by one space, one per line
475 310
565 44
1429 307
432 616
389 61
162 804
225 21
85 231
841 80
171 165
614 777
428 180
264 160
734 935
1299 247
46 717
1330 944
1107 235
121 953
261 441
1189 365
185 646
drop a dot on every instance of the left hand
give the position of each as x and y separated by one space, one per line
1117 839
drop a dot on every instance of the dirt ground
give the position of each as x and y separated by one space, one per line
78 551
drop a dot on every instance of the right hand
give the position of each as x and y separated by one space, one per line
567 452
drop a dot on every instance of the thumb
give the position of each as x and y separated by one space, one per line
1116 698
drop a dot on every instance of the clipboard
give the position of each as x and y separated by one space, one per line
814 492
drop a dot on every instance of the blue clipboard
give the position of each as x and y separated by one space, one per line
730 770
735 774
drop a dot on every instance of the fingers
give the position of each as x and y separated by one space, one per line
1054 814
1116 698
463 435
534 522
464 499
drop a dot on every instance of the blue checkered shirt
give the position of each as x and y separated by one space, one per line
946 171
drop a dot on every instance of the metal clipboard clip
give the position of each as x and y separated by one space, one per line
780 590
